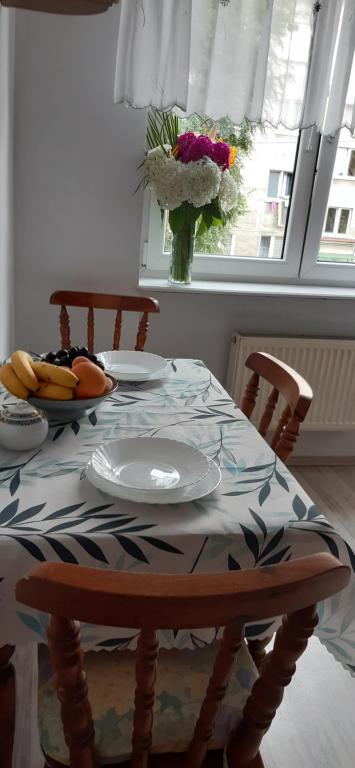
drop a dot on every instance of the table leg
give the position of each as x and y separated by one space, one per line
7 705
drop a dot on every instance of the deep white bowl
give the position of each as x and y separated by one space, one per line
128 365
71 410
149 464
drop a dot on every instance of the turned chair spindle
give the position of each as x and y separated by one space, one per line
141 304
152 602
291 386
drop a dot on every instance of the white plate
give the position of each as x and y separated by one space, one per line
133 366
198 490
149 464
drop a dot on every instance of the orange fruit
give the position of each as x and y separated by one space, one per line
80 359
108 386
92 380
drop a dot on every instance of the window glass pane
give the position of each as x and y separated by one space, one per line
264 246
287 182
341 162
273 185
343 221
351 168
278 243
334 247
259 150
282 215
330 220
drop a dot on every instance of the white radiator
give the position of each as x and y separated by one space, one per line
327 364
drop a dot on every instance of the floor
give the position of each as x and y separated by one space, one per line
315 725
333 491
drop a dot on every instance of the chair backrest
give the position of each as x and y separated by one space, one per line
152 602
92 301
293 388
77 7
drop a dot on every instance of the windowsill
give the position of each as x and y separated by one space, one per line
251 289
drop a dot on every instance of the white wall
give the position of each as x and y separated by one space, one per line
77 219
6 197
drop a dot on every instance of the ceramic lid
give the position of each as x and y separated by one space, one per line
21 413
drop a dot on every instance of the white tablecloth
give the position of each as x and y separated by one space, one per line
259 515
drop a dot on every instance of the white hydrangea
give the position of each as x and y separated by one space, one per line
197 182
201 179
155 161
166 177
228 192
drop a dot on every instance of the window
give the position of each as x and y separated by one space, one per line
330 221
343 221
279 184
344 162
270 247
282 213
295 218
337 221
286 184
351 164
273 185
264 247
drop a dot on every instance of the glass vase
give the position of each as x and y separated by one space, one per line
182 254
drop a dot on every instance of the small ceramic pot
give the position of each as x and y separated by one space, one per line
22 427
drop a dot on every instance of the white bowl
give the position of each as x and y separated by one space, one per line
128 365
71 410
174 496
149 464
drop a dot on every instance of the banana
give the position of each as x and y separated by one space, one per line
55 392
12 383
54 374
21 363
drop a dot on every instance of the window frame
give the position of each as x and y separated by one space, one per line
305 221
231 268
313 271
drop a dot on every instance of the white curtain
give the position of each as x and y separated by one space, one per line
275 61
6 133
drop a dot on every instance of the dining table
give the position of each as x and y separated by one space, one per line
259 515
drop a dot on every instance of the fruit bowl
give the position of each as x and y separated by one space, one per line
71 410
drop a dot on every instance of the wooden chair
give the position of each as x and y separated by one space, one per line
152 602
103 301
77 7
291 386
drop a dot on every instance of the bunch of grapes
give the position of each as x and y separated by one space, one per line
66 357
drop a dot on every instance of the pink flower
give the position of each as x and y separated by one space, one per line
201 147
221 154
191 148
183 143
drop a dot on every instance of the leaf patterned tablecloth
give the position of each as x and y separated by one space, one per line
258 516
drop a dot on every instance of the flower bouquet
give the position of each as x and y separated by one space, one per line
191 178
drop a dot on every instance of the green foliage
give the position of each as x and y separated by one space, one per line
186 214
162 128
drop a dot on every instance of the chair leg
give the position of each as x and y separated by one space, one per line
257 762
7 705
267 692
257 650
